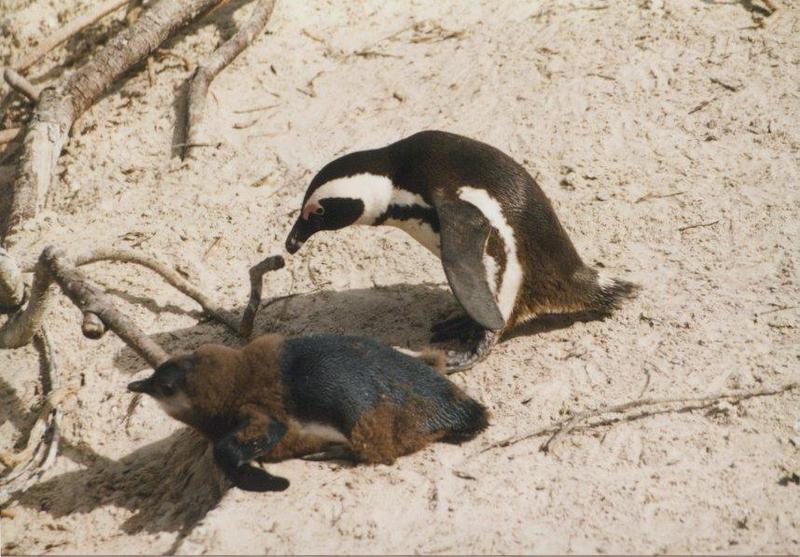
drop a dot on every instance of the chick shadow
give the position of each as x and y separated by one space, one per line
168 485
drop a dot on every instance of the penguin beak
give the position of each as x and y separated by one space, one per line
299 234
144 386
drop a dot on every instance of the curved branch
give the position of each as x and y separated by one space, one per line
271 263
205 73
169 275
648 407
12 289
58 107
27 466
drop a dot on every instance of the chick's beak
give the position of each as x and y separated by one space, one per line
142 386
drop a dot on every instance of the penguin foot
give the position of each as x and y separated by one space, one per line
462 360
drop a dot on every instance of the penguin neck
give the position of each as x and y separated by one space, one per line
409 212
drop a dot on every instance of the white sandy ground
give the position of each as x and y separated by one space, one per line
604 102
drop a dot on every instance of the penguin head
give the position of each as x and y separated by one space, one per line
167 385
350 190
323 213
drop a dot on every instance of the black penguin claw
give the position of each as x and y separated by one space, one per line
250 478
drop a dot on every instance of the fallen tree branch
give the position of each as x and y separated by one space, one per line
205 73
271 263
59 106
8 135
12 289
21 85
27 466
21 327
64 33
169 275
649 406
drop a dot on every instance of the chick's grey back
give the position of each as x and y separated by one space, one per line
335 379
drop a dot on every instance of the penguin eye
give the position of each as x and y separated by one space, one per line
167 390
319 210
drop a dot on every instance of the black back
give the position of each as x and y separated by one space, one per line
335 379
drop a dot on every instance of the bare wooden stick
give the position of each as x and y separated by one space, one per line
22 85
64 33
8 135
205 73
59 106
12 289
699 225
271 263
651 407
169 275
55 266
28 465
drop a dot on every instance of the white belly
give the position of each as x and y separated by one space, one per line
421 231
319 431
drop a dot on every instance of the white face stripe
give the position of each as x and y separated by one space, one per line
175 405
373 190
512 278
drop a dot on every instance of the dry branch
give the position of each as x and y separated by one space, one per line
64 33
169 275
22 85
205 73
21 327
55 266
27 466
271 263
8 135
59 106
12 289
648 407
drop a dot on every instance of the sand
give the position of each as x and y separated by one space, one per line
637 118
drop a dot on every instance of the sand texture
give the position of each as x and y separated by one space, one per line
638 118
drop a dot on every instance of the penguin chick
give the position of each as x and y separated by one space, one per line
279 398
506 256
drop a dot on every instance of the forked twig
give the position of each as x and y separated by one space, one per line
27 466
22 85
271 263
205 73
651 407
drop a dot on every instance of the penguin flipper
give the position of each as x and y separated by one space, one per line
464 231
233 452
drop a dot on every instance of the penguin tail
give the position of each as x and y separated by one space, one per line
470 419
605 293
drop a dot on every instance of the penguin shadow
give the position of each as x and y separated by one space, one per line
549 322
397 315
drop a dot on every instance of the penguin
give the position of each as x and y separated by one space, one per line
316 397
506 256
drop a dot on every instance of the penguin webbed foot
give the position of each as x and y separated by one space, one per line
233 455
474 351
250 478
